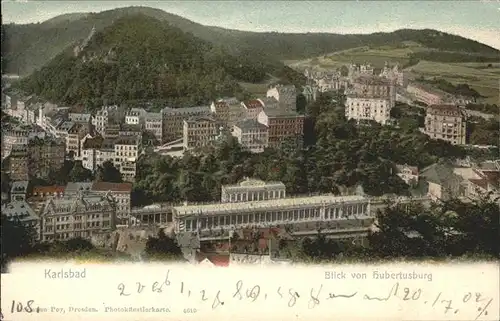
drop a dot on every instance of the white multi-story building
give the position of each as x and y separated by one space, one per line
126 151
446 122
368 107
252 190
135 116
252 135
105 115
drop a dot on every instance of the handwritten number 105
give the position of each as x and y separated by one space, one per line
415 296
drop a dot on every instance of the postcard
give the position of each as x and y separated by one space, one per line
250 160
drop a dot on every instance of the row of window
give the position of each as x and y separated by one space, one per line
275 216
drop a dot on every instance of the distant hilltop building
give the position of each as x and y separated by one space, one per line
78 49
354 71
394 74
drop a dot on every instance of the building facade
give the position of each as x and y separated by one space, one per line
286 95
81 216
252 135
153 123
252 108
282 124
252 190
173 120
121 193
368 107
46 156
426 94
446 122
200 131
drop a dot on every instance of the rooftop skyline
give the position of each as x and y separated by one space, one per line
477 20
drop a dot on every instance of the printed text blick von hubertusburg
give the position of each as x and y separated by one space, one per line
66 273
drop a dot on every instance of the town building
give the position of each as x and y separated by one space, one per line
286 95
173 120
228 111
426 94
74 139
368 107
200 131
354 70
22 212
112 130
135 116
153 123
282 124
126 151
18 191
394 73
46 156
409 174
89 147
252 190
269 102
252 135
130 130
73 216
18 164
442 182
121 193
373 86
40 194
252 108
108 114
80 118
446 122
18 135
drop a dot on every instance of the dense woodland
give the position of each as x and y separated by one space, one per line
142 58
29 47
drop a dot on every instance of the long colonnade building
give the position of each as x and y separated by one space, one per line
269 211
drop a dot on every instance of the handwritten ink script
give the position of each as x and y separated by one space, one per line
177 291
445 302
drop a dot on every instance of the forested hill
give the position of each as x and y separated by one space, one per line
142 58
28 47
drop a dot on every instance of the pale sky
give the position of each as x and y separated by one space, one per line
475 19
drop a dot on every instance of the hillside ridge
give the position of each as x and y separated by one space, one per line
28 47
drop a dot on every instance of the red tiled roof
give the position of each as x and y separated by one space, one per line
114 187
252 104
216 259
48 189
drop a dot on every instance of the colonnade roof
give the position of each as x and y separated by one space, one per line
283 203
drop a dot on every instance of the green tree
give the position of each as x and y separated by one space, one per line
17 240
80 174
108 173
